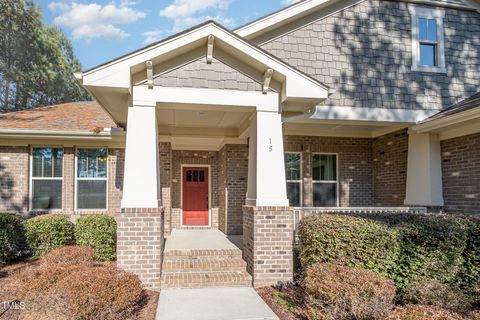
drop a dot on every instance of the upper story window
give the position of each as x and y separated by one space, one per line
428 49
46 178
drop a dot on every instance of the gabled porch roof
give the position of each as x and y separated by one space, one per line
112 83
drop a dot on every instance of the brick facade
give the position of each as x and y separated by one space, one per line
390 157
268 244
140 237
14 173
354 157
461 174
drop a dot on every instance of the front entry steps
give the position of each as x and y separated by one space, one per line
204 268
202 258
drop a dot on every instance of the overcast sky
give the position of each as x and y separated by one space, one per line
102 30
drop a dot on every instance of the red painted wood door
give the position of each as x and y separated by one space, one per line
195 196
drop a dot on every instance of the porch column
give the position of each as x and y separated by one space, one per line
141 180
266 163
424 170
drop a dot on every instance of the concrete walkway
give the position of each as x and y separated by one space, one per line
211 239
213 304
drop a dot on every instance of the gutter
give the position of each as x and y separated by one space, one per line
106 134
439 123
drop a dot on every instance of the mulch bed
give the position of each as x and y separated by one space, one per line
9 292
287 303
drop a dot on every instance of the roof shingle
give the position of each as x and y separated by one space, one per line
73 116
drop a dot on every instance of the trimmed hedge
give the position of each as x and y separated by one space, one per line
11 232
413 247
338 292
99 232
348 241
47 232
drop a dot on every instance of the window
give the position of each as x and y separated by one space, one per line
195 176
92 178
427 39
293 173
324 178
47 177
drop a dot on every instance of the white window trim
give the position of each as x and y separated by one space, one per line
32 178
77 179
301 175
438 14
337 200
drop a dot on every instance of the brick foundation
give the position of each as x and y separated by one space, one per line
461 174
268 244
140 237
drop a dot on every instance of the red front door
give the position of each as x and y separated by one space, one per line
195 196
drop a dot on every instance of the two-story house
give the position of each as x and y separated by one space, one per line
324 105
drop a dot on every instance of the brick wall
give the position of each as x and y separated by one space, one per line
184 157
165 150
354 166
140 237
14 173
15 180
390 157
268 244
461 174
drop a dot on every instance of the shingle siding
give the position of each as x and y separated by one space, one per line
199 74
364 52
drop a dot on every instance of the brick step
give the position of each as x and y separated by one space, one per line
231 253
203 263
206 279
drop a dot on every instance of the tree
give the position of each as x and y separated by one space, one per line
36 61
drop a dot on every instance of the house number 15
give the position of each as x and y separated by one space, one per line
270 147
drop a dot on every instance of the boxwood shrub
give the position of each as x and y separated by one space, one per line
350 241
99 232
405 247
47 232
11 233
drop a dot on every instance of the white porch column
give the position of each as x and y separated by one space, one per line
266 163
424 170
141 181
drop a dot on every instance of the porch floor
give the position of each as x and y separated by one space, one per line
201 239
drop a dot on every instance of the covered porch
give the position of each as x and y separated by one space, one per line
210 120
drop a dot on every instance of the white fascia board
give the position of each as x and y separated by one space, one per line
117 73
301 8
370 114
447 121
60 134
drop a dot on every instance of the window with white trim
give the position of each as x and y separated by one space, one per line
92 178
428 48
293 173
46 178
324 178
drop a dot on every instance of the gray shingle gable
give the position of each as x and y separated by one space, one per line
364 52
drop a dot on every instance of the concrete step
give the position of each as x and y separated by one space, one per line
203 263
203 253
205 279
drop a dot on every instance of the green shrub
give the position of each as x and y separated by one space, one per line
468 277
11 233
431 293
432 246
99 232
339 292
47 232
349 241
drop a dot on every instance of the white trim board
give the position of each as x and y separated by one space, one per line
370 114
